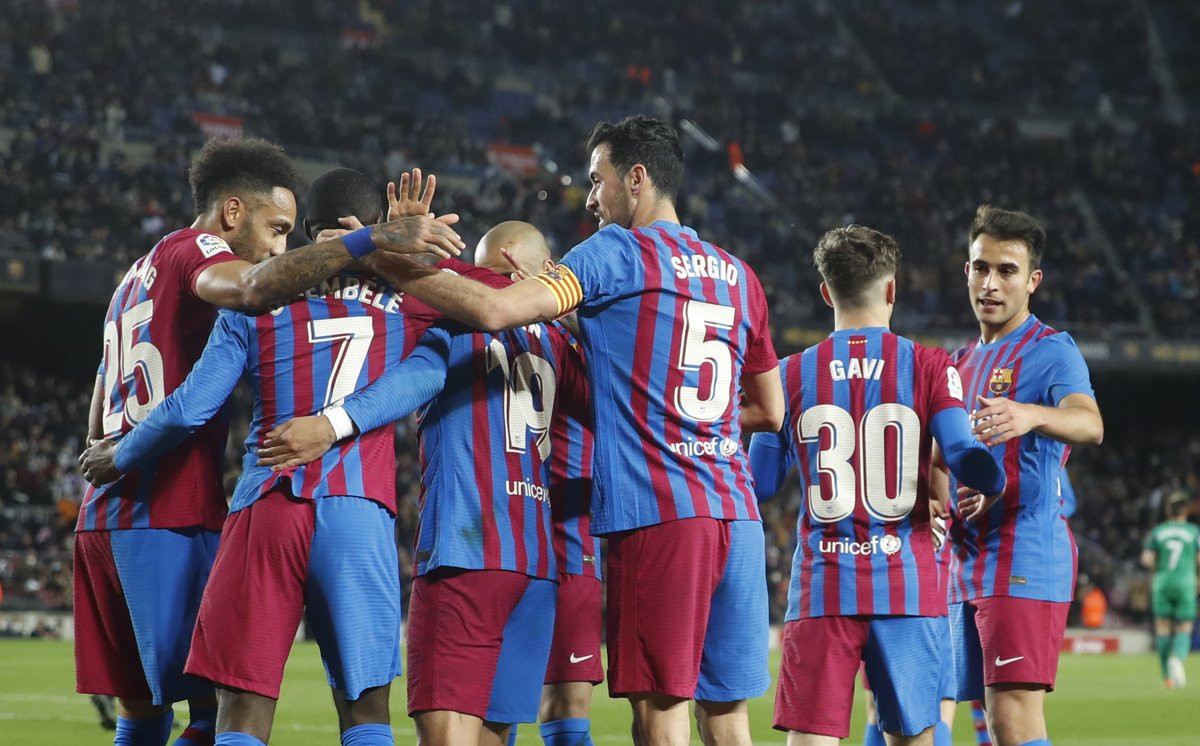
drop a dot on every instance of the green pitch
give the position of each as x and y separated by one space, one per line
1101 700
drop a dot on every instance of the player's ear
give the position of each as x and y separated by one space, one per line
233 212
825 294
1035 279
548 265
637 179
890 289
307 229
967 269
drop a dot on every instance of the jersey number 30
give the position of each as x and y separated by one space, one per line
871 477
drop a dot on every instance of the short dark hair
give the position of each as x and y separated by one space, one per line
851 258
226 166
1178 503
338 193
1008 225
645 140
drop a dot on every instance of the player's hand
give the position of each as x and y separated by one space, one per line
97 465
296 442
422 234
520 271
408 200
999 420
972 505
938 528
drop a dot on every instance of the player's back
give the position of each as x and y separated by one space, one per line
857 427
1175 545
571 482
1023 545
154 332
669 323
311 353
485 446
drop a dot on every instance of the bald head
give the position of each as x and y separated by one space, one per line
525 242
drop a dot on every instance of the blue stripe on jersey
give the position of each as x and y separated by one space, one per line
847 588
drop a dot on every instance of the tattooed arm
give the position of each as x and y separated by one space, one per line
256 288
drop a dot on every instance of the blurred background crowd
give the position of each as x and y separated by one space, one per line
796 117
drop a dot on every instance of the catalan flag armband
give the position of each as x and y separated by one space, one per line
565 285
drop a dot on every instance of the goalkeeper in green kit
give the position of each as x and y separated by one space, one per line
1171 551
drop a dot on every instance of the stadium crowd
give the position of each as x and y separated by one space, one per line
837 149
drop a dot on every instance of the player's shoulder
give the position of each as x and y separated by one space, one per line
185 240
1050 345
927 354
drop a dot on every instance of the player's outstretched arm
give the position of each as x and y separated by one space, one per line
971 464
470 302
770 462
95 426
257 288
1075 421
400 391
762 402
195 402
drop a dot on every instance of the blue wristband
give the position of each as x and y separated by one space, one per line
359 243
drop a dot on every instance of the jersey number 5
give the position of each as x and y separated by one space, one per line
871 477
696 351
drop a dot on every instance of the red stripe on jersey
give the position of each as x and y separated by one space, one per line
643 361
831 570
888 393
545 545
715 472
481 436
336 479
793 373
1012 502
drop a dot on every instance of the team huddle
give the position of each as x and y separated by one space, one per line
608 395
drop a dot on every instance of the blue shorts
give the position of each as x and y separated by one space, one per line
333 558
734 663
158 575
906 659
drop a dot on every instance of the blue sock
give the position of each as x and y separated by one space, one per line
567 732
873 736
1039 742
200 730
370 734
512 735
941 734
233 738
148 732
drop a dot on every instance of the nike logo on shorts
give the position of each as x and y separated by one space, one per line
580 659
1006 661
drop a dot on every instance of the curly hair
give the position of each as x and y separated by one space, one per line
252 165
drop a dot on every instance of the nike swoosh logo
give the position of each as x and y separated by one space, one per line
1006 661
580 660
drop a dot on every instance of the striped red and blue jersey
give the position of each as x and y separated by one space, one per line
334 340
669 325
485 442
1023 546
154 332
572 443
857 427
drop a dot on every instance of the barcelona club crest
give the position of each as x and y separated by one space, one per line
1001 381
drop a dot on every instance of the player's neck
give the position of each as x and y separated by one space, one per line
861 318
989 333
209 224
654 212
